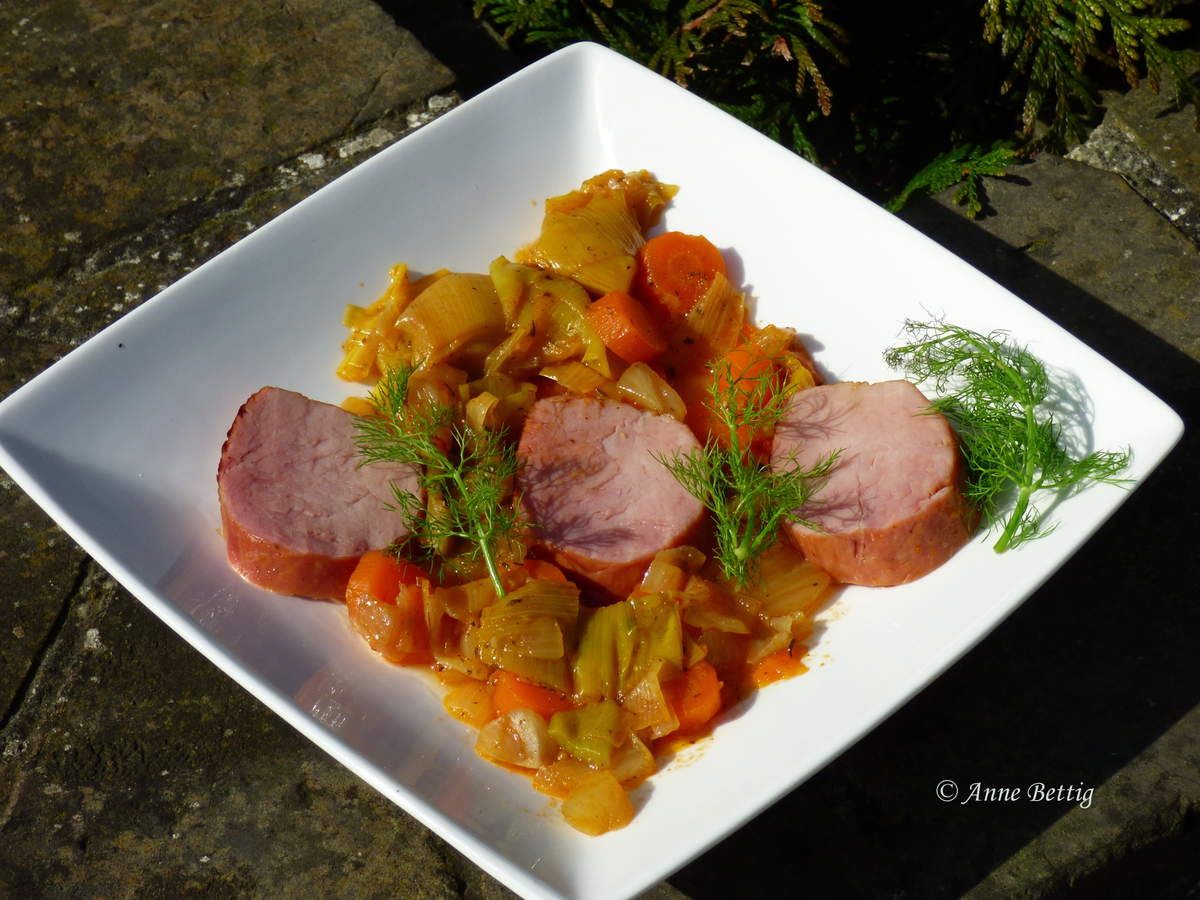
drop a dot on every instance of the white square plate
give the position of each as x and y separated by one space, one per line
120 440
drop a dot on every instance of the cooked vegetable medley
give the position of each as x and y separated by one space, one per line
616 505
563 679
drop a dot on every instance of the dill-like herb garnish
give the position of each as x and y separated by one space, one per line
748 500
996 395
472 476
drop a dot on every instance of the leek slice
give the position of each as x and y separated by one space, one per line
647 706
644 193
589 733
660 634
713 326
669 569
618 644
535 621
373 329
503 640
575 377
632 762
547 319
594 242
605 652
452 312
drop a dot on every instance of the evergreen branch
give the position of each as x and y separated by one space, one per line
964 165
1049 42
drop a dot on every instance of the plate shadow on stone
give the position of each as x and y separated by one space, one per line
1084 676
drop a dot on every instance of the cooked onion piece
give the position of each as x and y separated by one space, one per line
519 738
598 805
645 388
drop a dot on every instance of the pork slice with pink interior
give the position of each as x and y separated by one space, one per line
297 509
601 504
892 509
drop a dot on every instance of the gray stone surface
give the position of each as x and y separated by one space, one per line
115 113
1087 227
1155 145
129 766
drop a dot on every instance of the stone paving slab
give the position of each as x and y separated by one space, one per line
1153 143
89 229
130 766
115 113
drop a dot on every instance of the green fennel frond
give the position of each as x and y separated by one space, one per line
997 395
747 499
470 472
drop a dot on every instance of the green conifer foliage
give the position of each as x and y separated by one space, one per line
876 92
763 62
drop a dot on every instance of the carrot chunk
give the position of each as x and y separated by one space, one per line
776 666
386 607
541 570
510 692
744 369
626 327
695 696
675 269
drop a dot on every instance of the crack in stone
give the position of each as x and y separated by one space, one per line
28 686
126 245
372 91
25 688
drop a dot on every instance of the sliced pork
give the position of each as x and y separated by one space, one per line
601 504
892 509
297 509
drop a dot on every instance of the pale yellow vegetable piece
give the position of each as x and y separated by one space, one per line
713 326
644 193
547 320
562 776
452 312
645 388
787 583
595 242
632 762
598 805
519 737
470 702
575 377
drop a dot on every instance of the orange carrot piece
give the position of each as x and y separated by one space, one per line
785 663
675 269
626 327
742 369
378 576
510 692
695 696
539 569
387 607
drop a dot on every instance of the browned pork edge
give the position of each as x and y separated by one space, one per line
602 506
893 508
297 510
